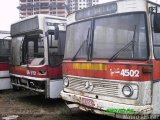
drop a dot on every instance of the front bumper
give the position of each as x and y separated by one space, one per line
101 106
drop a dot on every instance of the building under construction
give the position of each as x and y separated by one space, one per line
50 7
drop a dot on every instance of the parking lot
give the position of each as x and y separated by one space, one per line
29 106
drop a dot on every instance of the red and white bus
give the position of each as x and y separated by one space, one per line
37 52
5 42
112 58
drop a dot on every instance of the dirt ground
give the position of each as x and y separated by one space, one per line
29 106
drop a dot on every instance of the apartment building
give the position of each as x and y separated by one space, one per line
74 5
50 7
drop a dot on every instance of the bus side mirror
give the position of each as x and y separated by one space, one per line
156 22
56 32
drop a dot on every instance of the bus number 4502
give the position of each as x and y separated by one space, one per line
129 73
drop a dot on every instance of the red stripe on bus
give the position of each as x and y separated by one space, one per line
4 66
51 72
125 72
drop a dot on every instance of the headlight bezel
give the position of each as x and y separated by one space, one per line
130 88
66 82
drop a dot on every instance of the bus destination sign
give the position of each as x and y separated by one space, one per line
97 10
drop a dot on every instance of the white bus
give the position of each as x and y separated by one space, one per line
5 42
37 52
112 59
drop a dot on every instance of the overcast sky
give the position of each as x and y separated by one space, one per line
10 14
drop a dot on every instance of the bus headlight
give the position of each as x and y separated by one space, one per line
127 90
66 82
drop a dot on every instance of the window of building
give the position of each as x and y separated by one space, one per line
44 5
44 12
23 0
61 12
29 0
29 13
23 7
36 13
23 13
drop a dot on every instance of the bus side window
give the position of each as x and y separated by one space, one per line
56 32
5 50
30 50
53 44
156 34
55 58
156 22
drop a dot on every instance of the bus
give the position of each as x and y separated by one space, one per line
37 51
5 42
111 63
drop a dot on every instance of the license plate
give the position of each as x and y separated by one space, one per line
87 102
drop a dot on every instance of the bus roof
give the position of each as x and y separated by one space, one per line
4 35
108 8
4 32
40 16
32 23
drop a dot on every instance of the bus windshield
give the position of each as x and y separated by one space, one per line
110 35
33 50
76 35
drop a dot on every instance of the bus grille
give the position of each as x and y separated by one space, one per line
101 87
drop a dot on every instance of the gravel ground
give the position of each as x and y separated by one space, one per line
29 106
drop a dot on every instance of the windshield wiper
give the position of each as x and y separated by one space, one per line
132 42
74 57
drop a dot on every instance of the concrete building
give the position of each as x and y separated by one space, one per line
50 7
74 5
